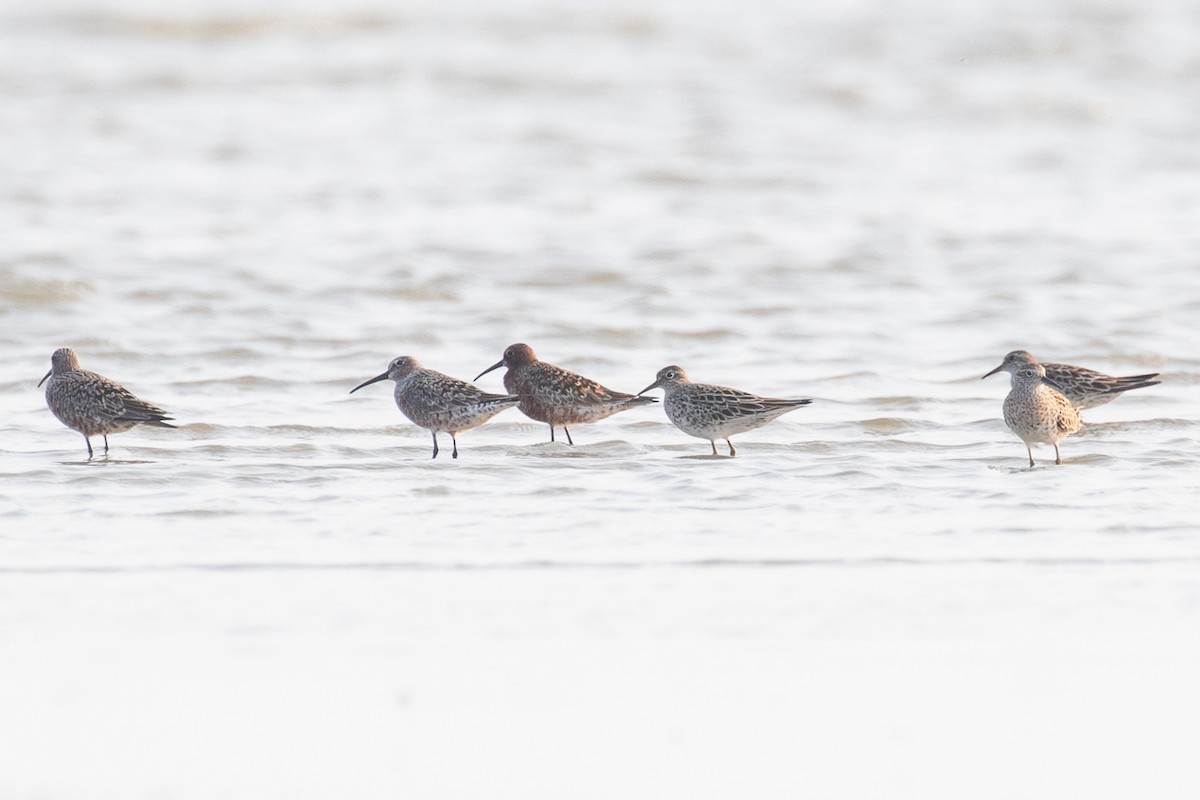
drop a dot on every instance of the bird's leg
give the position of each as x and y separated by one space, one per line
1029 450
435 447
713 442
568 433
106 444
89 446
1057 457
732 449
552 431
455 441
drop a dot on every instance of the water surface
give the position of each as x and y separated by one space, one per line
244 210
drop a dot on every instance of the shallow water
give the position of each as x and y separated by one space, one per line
243 211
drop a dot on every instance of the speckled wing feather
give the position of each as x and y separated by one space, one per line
560 397
541 376
725 403
1068 423
432 392
1087 388
1067 419
118 402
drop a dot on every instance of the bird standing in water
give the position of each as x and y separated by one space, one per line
93 404
714 412
1038 412
557 396
438 402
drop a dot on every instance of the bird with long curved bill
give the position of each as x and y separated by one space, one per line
92 404
437 402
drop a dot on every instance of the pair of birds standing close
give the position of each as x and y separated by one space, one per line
1042 407
1044 404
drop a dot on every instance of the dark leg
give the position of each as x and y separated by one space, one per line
455 453
568 433
552 432
106 444
89 444
713 442
732 449
435 448
1029 450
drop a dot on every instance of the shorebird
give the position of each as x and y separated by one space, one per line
439 403
93 404
715 412
1038 412
1085 388
556 396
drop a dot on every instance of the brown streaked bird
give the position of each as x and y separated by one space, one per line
92 404
714 412
1085 388
439 403
1038 412
557 396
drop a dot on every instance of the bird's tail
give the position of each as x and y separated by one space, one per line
1134 382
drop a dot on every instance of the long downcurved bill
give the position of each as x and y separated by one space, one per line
43 380
376 379
497 365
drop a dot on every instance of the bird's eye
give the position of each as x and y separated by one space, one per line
671 374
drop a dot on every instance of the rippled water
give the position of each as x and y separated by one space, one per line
242 211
